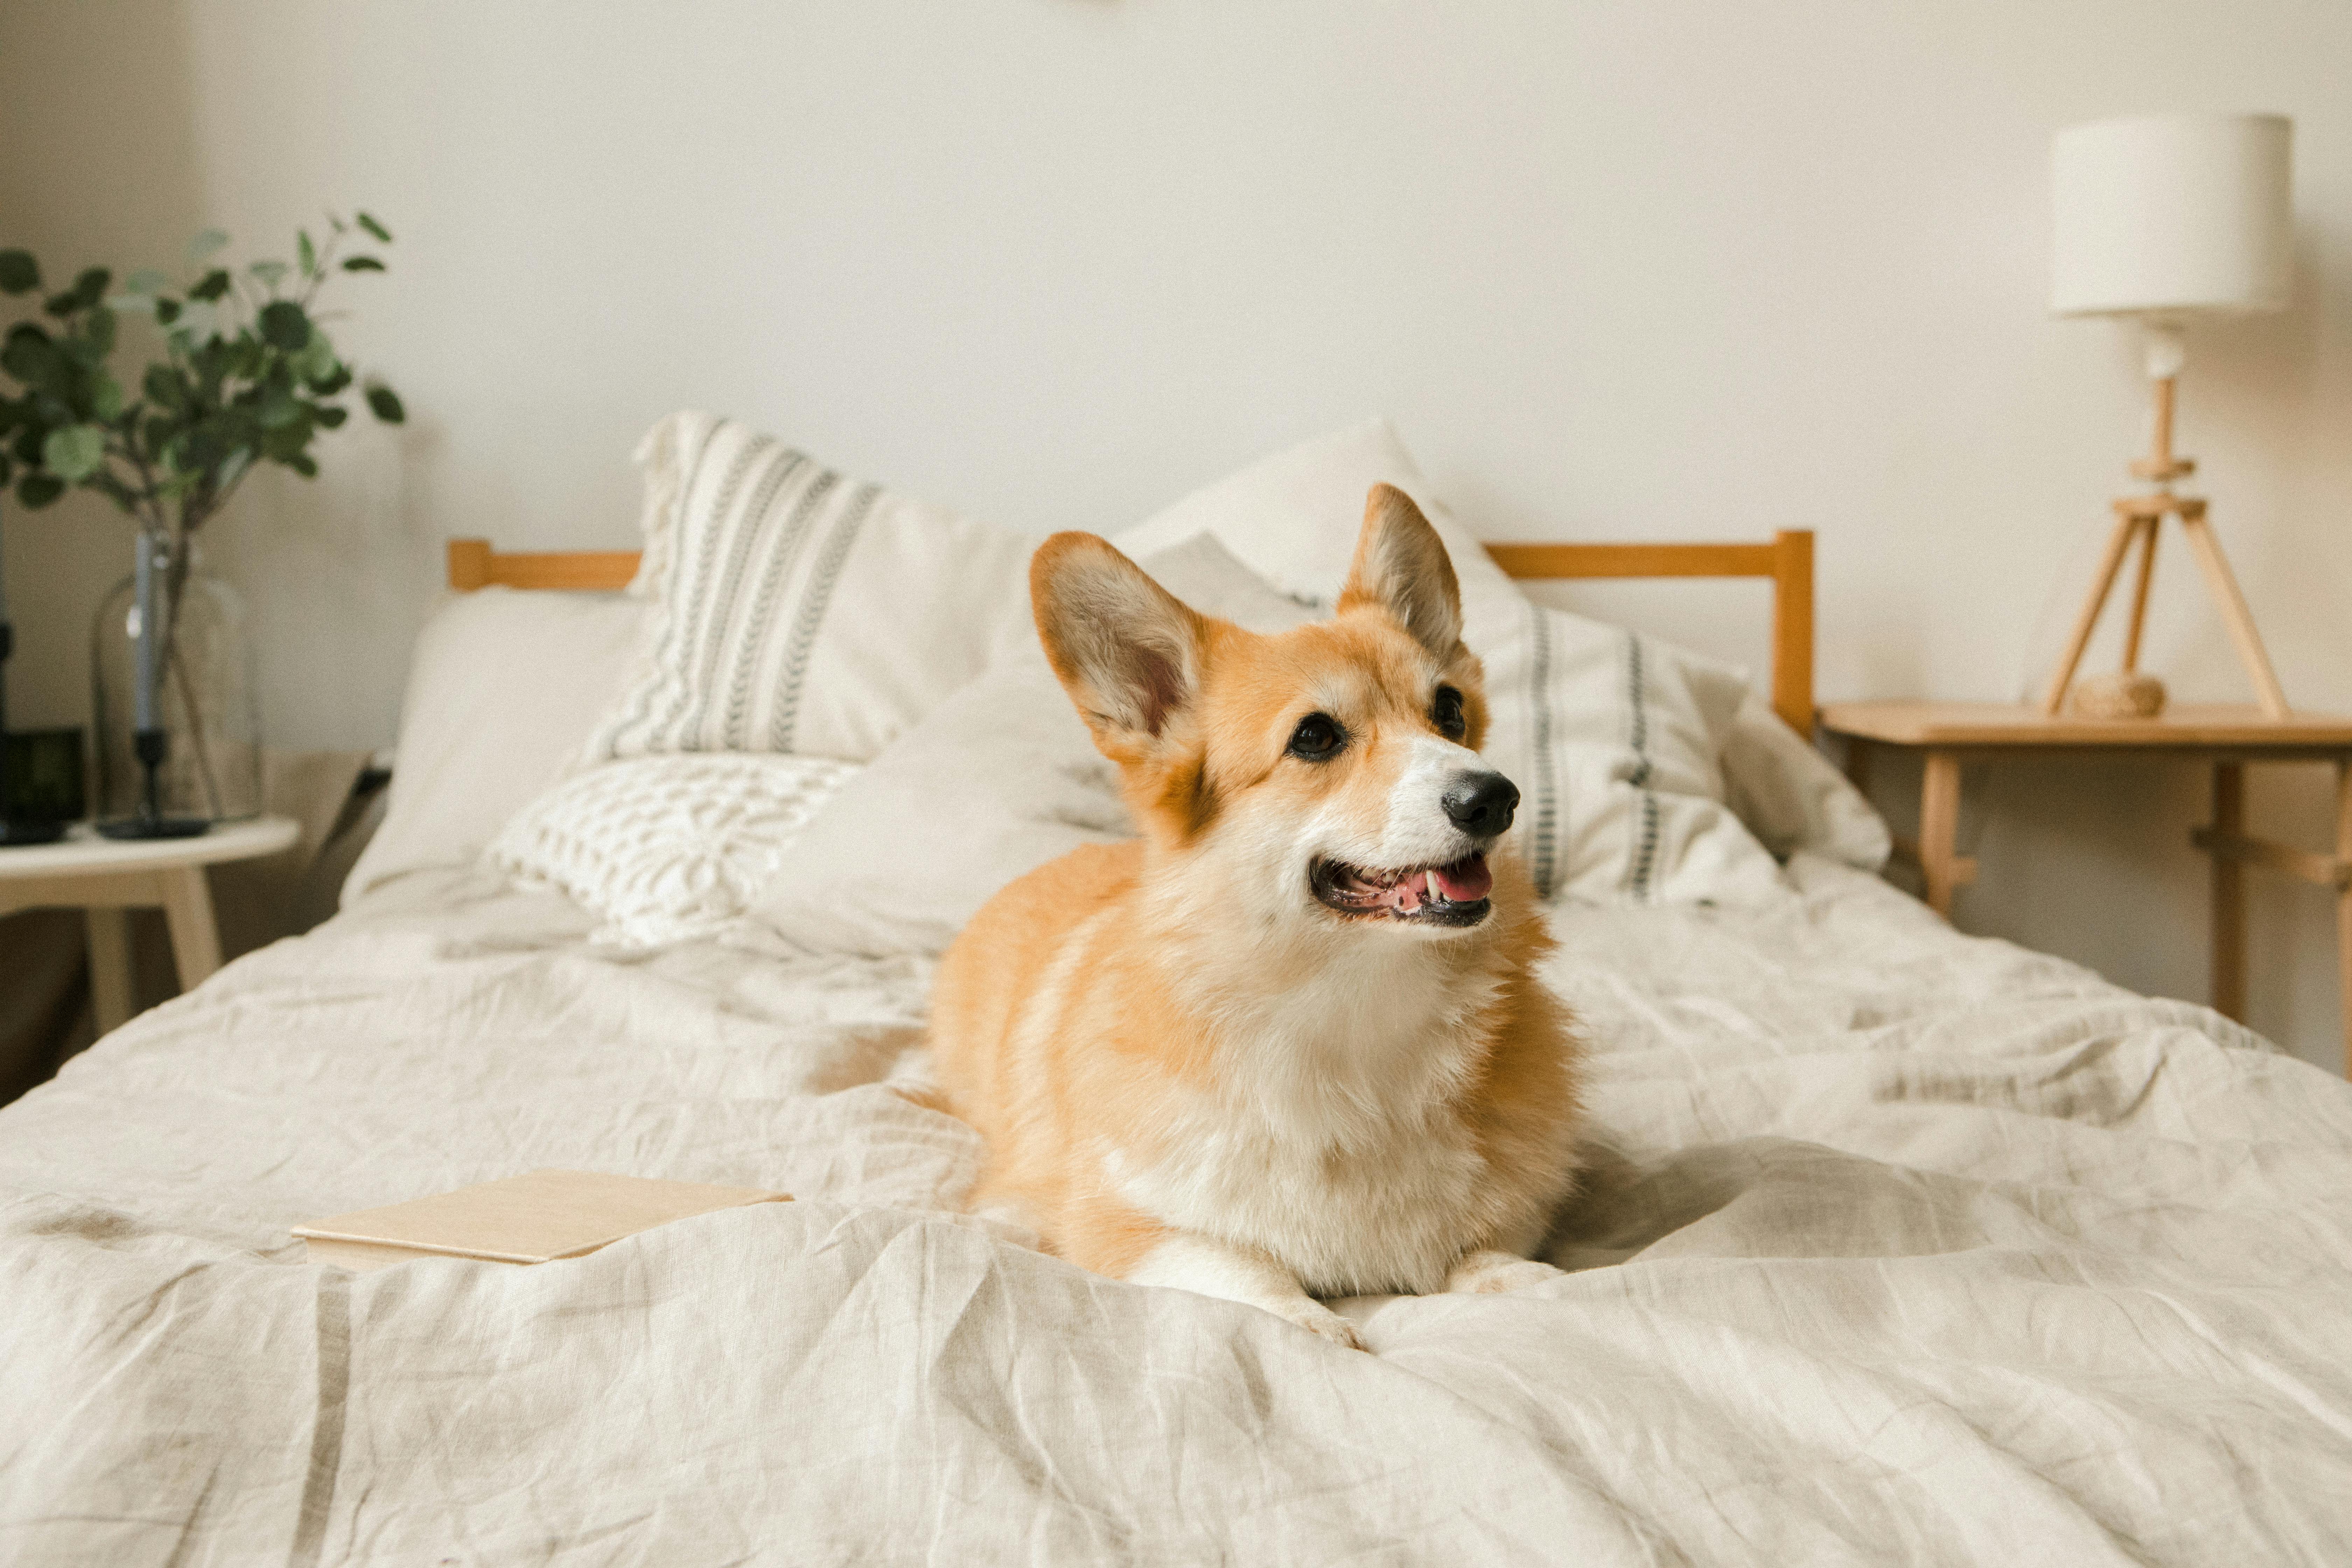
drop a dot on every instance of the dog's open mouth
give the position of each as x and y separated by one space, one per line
1453 895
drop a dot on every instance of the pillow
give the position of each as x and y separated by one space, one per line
1792 798
796 610
1293 519
666 850
503 688
1615 741
1002 778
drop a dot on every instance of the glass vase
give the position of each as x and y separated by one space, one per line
201 696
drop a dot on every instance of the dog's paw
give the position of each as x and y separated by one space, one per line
1318 1320
1488 1272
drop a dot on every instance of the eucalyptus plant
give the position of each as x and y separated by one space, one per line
248 376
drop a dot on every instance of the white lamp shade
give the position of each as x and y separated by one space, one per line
2171 215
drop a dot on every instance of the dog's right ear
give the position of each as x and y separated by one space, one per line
1127 650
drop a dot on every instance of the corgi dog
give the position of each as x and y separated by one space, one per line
1289 1042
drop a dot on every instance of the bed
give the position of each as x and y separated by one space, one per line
1893 1244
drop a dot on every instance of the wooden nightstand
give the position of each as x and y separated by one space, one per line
107 877
2228 738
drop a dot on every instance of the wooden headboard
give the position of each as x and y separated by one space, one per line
1788 561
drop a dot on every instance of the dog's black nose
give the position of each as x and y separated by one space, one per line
1481 804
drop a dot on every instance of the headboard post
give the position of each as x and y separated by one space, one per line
1792 628
469 564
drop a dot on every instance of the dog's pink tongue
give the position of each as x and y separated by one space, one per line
1467 879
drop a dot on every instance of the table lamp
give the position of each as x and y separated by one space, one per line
2163 219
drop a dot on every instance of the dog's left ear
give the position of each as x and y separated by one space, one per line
1401 568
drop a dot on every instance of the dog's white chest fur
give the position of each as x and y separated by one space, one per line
1336 1142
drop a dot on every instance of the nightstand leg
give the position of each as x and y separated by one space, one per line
1857 762
2229 892
109 931
1939 830
2343 901
188 911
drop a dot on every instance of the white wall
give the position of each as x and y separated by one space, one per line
1627 269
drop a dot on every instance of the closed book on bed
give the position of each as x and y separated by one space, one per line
533 1218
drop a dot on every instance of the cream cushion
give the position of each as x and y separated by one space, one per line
794 609
667 848
503 688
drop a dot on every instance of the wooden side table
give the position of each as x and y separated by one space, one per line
2227 738
108 877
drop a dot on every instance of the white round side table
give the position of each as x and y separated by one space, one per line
107 877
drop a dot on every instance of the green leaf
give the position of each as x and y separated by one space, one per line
167 312
6 468
106 397
270 272
31 357
146 281
97 330
326 416
212 286
62 305
74 453
384 404
334 382
279 408
165 386
306 253
363 264
304 465
375 228
137 304
206 242
38 491
316 360
90 287
19 273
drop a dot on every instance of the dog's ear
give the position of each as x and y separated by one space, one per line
1127 650
1401 568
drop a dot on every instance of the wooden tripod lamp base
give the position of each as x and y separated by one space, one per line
2138 520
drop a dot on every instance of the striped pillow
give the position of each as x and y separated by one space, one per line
1616 741
796 609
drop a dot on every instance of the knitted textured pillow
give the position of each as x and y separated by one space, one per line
666 850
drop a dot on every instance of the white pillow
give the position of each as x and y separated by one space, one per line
797 610
668 848
1621 783
1002 778
1792 797
503 688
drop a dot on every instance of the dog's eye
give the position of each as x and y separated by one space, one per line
1318 737
1446 711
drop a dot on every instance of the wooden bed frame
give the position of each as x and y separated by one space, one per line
1786 560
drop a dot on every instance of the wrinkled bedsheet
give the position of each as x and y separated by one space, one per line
1896 1245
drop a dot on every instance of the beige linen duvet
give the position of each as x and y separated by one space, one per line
1897 1248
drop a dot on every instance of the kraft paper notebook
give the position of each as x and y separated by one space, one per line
533 1218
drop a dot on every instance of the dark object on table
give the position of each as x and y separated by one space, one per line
14 828
43 781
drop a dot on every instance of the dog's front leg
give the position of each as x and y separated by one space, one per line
1241 1274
